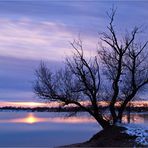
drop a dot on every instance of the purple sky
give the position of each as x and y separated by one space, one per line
31 31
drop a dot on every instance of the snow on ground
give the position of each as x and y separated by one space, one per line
139 130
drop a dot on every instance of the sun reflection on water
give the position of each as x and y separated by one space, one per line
32 118
29 119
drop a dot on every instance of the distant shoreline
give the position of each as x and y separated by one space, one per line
66 109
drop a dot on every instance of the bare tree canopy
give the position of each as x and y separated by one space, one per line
79 81
124 65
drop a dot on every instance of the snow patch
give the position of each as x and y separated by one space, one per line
139 130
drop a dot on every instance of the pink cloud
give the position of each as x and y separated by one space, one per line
37 40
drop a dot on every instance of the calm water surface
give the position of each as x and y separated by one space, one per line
50 129
44 129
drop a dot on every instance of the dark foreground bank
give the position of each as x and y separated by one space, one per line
114 136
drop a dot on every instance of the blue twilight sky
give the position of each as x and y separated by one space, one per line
34 30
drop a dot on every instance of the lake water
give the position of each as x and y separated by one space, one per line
25 129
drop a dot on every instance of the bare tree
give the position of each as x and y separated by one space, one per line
136 73
124 66
79 81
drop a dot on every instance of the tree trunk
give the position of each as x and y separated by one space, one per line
113 113
123 106
104 123
120 114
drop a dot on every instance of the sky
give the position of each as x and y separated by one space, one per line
35 30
